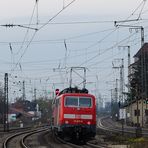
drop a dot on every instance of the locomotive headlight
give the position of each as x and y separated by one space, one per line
66 122
88 122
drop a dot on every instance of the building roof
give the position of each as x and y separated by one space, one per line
144 48
15 110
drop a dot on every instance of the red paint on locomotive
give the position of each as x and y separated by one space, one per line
75 114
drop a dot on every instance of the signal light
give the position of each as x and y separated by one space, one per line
57 92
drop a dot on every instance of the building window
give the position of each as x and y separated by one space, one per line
146 112
137 112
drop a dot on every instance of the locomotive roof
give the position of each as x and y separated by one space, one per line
74 90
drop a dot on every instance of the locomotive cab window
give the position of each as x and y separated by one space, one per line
85 102
71 101
78 102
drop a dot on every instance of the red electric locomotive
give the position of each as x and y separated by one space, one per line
74 114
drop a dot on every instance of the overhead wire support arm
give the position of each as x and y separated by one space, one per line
134 27
27 27
124 21
118 25
56 14
22 26
141 7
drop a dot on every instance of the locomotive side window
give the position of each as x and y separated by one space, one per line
85 102
71 101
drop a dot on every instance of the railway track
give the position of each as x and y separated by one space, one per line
110 127
21 139
87 145
17 140
114 129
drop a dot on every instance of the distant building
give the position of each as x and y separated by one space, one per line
137 103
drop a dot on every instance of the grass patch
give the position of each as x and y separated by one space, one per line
133 140
138 142
117 139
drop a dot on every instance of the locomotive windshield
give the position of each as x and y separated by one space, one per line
85 102
71 101
78 101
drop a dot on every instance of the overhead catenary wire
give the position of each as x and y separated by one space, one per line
69 38
49 60
98 54
92 58
72 22
18 25
18 62
70 50
142 4
22 44
137 8
56 15
38 30
43 61
60 40
96 43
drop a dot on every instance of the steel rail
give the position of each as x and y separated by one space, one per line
9 138
22 142
118 129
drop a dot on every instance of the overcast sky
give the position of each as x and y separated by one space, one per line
71 33
21 8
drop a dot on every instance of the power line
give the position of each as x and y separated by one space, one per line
60 41
24 52
18 62
70 57
16 25
56 15
96 43
74 22
37 30
27 30
142 4
107 49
